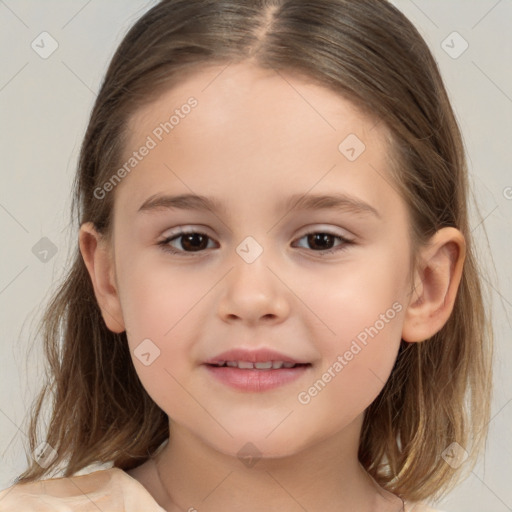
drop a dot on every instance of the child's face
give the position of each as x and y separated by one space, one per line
254 139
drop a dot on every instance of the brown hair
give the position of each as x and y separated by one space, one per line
367 51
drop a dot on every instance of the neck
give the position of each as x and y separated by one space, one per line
325 476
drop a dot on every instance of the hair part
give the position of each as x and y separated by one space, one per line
368 52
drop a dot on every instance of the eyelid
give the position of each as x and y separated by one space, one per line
331 230
193 228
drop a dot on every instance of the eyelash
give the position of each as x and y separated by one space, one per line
164 244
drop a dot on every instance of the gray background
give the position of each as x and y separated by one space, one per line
44 107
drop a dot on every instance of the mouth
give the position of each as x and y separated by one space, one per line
246 377
255 371
261 365
261 359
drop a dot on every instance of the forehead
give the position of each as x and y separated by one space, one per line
240 91
251 129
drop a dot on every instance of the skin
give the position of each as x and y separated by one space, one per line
252 141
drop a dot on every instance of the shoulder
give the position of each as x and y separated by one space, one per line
420 507
110 489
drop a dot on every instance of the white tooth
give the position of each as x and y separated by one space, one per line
231 363
263 366
245 364
220 363
288 365
277 364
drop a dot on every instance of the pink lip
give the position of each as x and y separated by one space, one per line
255 380
253 356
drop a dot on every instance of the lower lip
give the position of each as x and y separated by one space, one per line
253 380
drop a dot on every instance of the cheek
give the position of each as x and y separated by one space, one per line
159 337
360 294
158 308
156 297
362 311
355 365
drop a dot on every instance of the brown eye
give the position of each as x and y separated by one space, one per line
324 242
193 241
185 242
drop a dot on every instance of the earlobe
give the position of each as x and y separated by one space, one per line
97 258
437 280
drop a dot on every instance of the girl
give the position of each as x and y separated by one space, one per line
274 303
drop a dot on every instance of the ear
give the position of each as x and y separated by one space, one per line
97 255
436 281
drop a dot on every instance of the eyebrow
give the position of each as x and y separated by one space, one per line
337 201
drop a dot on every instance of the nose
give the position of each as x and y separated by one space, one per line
253 293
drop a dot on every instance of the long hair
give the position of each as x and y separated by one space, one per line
368 52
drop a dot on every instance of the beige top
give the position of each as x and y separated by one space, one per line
110 490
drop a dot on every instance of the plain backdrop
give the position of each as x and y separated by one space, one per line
44 107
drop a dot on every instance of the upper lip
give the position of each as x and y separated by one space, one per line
254 356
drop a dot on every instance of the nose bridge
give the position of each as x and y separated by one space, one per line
252 290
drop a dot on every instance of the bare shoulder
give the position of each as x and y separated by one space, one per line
44 495
110 489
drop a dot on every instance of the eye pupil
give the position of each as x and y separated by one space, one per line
322 239
188 241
